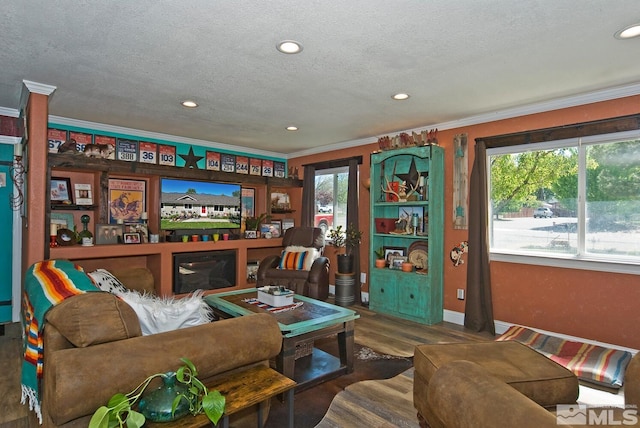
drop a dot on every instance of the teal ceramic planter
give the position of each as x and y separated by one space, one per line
156 406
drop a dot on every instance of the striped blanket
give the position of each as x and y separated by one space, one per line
46 284
591 363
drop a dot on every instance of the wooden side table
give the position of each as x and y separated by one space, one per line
242 389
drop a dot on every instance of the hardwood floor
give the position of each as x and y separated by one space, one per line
384 334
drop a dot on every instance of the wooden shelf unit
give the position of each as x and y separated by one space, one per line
157 257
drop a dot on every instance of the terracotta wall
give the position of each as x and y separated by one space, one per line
594 305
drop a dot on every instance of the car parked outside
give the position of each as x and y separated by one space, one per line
542 213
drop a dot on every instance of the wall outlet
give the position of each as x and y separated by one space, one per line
363 277
460 293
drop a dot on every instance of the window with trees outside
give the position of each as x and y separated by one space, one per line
331 198
576 199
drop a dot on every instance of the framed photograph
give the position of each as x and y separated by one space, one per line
248 202
140 228
132 238
108 234
250 234
280 201
396 262
66 237
62 220
61 191
287 223
392 252
275 228
84 194
127 200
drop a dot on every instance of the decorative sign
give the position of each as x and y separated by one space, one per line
57 137
81 139
102 140
127 150
227 162
242 165
279 170
148 152
213 161
166 155
126 200
267 168
255 166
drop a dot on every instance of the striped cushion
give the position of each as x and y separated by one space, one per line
296 260
592 363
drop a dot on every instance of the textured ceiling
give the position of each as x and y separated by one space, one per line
129 64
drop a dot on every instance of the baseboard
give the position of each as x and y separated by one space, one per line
502 326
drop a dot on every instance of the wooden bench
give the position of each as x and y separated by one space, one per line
242 389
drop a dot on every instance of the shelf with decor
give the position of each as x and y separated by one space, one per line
158 257
407 228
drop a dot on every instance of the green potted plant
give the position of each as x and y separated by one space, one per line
381 262
347 239
120 411
252 225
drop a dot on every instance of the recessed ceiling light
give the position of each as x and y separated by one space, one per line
400 96
289 47
628 32
292 128
190 104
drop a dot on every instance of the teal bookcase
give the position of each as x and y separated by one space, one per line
416 295
6 244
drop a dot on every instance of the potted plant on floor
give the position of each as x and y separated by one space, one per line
348 239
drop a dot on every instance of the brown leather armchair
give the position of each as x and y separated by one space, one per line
313 283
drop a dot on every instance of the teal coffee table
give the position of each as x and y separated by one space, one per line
312 320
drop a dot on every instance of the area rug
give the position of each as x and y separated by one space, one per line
374 403
311 405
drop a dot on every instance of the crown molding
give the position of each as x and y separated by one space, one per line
11 112
542 107
39 88
5 139
58 120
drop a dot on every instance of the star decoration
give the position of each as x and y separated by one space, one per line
411 178
191 160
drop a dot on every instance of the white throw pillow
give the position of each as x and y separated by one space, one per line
157 314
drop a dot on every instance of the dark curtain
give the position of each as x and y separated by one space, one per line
352 218
308 196
478 311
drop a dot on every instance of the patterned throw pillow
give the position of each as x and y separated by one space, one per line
105 281
298 258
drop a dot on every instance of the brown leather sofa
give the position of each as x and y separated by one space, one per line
93 348
463 394
313 283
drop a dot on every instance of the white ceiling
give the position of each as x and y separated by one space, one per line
130 63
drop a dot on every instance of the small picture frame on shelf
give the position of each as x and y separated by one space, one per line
396 262
61 191
287 223
62 220
275 228
108 234
250 234
393 252
132 238
83 194
280 202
